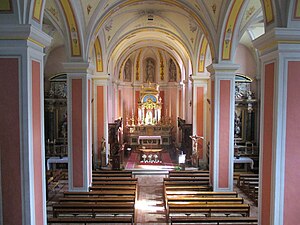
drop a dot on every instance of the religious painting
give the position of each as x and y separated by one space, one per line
149 71
127 71
172 71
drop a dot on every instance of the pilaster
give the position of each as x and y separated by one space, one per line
200 114
23 187
79 126
222 128
101 119
280 58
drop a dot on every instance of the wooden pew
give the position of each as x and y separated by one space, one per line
87 220
97 199
203 193
208 209
190 174
117 183
113 187
215 220
101 193
93 209
113 179
243 176
249 183
129 174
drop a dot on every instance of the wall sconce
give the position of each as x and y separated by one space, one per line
190 103
228 36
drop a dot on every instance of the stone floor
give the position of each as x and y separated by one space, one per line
150 208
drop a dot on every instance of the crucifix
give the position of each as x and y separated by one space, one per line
195 139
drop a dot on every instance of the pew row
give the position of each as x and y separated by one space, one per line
214 220
88 220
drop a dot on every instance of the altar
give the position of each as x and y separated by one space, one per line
245 161
56 160
150 128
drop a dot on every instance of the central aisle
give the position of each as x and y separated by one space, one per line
150 207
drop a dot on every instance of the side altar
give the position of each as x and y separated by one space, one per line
149 128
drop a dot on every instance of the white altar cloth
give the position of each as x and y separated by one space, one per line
55 160
244 160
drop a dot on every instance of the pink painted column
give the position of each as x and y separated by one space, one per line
200 117
280 127
101 116
22 153
79 126
221 152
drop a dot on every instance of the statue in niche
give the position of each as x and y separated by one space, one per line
172 71
150 70
127 71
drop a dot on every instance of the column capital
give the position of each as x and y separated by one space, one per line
282 39
27 32
78 68
222 69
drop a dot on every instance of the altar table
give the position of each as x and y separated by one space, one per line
56 160
244 160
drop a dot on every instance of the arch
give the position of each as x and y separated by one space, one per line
72 27
93 29
229 33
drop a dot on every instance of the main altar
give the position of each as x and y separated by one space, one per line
149 128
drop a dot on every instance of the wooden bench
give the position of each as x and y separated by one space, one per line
249 183
113 187
87 220
101 193
117 183
203 193
208 209
107 179
215 220
98 199
188 179
112 174
190 174
243 176
93 209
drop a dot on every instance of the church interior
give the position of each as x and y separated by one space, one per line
149 112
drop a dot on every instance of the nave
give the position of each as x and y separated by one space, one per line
156 200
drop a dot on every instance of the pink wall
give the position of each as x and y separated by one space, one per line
10 141
200 119
267 143
89 130
77 133
224 133
292 154
211 163
100 115
245 59
54 63
37 145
